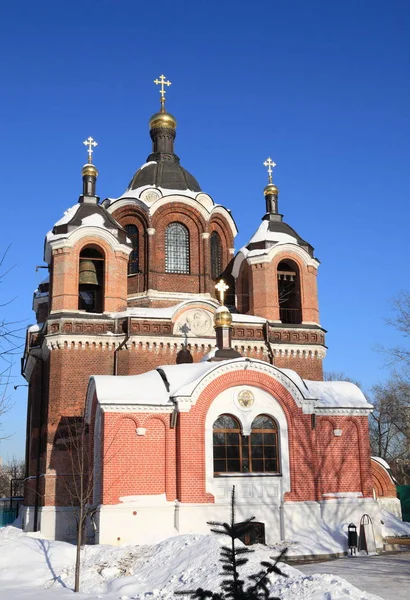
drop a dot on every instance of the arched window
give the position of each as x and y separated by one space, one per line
177 248
91 281
264 445
133 261
236 453
289 292
216 255
227 445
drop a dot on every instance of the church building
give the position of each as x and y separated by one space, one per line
195 368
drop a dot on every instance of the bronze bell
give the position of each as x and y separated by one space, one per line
88 272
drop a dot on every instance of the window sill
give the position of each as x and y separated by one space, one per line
247 475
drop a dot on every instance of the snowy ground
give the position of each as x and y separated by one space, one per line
386 575
32 568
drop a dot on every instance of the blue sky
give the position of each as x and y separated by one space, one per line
321 87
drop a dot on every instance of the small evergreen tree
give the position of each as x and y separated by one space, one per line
233 587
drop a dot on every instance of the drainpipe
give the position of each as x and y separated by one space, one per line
267 342
124 341
39 447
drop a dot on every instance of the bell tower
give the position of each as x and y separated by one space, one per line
276 278
87 253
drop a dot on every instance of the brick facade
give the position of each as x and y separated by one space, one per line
171 461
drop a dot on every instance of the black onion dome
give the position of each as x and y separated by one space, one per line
163 169
167 174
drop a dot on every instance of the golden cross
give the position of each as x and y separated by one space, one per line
221 287
90 142
270 164
162 81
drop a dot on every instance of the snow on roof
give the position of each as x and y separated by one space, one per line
337 394
136 193
68 215
263 234
95 220
381 461
150 162
148 313
298 381
169 311
150 388
185 374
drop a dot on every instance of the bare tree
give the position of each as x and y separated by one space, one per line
10 342
399 356
340 376
11 471
72 437
389 426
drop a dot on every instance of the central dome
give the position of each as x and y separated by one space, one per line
162 168
167 174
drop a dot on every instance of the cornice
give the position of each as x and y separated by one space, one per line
71 238
306 404
136 408
348 411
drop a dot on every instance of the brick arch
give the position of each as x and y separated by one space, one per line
178 208
192 437
218 224
382 481
340 458
134 215
128 457
115 264
192 282
243 288
308 284
131 211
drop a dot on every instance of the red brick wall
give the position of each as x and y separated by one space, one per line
264 299
65 272
343 462
320 462
382 482
153 262
138 464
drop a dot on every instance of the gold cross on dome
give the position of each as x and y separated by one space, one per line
221 287
90 142
162 81
270 164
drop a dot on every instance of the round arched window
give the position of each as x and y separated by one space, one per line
177 248
133 261
237 453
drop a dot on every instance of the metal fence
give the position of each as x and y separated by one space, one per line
7 515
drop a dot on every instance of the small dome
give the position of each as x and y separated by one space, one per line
271 190
162 120
89 169
223 317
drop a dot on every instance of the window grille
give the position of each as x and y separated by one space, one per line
216 255
133 261
236 453
177 249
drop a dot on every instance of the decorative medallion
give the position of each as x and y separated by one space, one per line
150 195
246 398
195 323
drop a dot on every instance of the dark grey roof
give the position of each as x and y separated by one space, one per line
166 174
86 210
